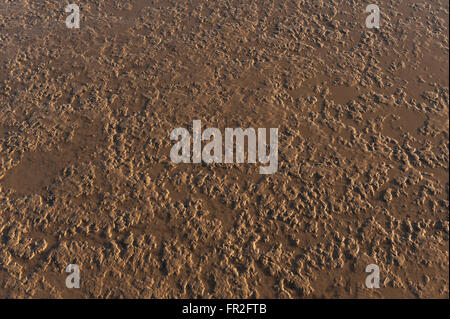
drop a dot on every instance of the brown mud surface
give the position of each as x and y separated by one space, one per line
86 177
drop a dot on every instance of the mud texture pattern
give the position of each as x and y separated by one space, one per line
86 177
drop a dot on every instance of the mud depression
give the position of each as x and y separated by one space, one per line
363 149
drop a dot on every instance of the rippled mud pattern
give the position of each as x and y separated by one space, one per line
86 177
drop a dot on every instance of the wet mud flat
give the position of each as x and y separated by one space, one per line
363 149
